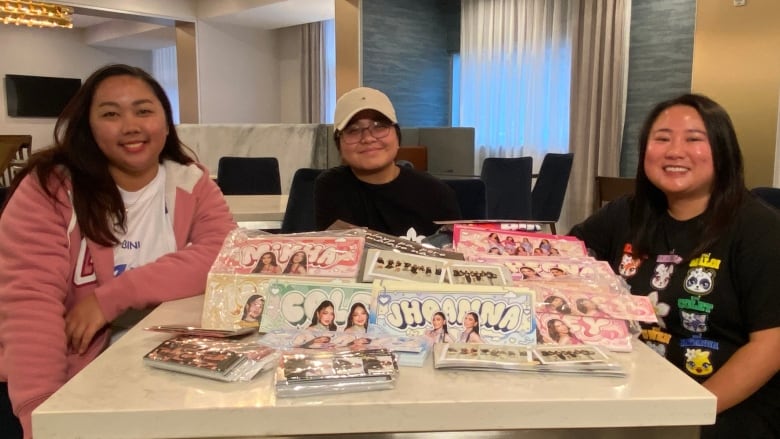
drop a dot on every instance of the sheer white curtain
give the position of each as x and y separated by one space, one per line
165 72
516 76
318 80
598 102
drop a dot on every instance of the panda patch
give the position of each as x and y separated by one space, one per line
699 281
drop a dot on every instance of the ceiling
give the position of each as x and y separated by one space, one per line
111 29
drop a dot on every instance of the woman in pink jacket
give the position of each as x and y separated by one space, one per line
115 216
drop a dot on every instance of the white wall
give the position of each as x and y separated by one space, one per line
238 71
289 43
51 52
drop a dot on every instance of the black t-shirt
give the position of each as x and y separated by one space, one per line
706 305
414 199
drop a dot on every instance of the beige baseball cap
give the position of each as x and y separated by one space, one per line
359 99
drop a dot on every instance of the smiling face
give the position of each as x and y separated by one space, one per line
129 126
372 159
560 327
255 309
359 316
678 157
298 257
325 316
438 321
267 258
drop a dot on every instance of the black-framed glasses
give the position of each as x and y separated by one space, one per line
353 133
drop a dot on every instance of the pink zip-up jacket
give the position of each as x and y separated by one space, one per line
46 267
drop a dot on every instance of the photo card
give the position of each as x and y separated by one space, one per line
569 354
389 264
460 273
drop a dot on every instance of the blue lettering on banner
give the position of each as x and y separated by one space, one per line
698 342
131 244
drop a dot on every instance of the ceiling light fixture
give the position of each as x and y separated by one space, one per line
31 13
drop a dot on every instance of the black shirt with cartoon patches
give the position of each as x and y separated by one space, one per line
707 305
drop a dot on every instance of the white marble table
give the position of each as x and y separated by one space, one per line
257 211
117 396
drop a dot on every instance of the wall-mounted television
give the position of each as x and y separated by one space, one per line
38 96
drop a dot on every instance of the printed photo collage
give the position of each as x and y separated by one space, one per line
342 270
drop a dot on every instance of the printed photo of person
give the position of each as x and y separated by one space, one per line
588 307
357 321
324 316
252 312
470 332
439 332
529 273
267 264
560 333
297 263
558 272
557 304
318 342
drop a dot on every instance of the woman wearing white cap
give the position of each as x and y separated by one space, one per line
370 190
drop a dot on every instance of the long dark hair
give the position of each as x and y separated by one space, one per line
96 197
288 267
315 318
260 265
554 334
649 205
444 325
248 304
476 322
350 323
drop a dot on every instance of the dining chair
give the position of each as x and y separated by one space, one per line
508 186
769 195
249 176
299 214
611 188
471 195
549 191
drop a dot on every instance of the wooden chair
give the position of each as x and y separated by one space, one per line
416 155
15 149
610 188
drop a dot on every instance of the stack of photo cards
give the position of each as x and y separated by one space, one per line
390 264
587 360
215 358
307 372
410 351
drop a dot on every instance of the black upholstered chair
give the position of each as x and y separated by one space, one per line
249 176
770 195
550 188
508 185
299 215
471 194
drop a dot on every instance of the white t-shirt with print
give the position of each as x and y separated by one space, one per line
149 235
